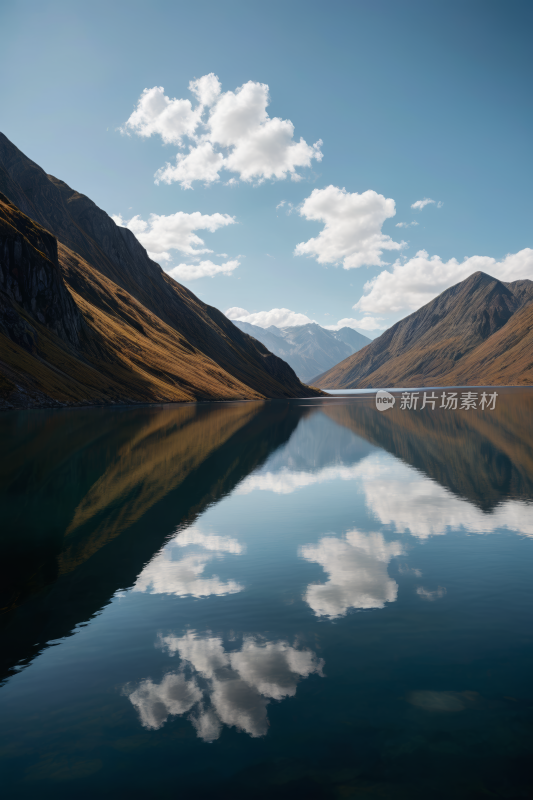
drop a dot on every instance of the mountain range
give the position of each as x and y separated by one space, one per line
478 332
308 349
86 317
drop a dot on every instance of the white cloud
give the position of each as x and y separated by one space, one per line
156 113
352 227
407 224
420 204
411 284
226 130
400 496
357 568
236 313
182 578
364 324
237 684
281 204
287 481
155 702
174 232
166 574
202 163
204 269
207 89
280 317
209 541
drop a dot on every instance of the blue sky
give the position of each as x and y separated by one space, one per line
410 100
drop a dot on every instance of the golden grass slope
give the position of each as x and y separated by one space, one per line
113 253
124 352
476 332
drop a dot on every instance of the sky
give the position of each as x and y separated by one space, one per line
341 162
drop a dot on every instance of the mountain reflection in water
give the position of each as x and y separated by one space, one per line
295 583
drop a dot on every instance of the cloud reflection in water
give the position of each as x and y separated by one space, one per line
221 687
166 574
400 496
357 567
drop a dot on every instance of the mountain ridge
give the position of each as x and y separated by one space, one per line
115 285
438 342
307 348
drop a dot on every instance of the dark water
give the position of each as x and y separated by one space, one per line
310 599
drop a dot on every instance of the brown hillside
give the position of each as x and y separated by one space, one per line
114 350
448 341
144 337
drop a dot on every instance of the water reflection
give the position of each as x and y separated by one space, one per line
408 501
356 564
484 457
287 481
166 573
116 521
89 495
223 687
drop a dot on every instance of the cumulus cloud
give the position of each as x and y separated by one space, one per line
352 233
161 233
204 269
202 163
280 317
357 568
364 324
413 283
156 113
407 224
225 130
236 313
167 574
420 204
237 685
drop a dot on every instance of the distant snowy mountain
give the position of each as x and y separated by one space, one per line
308 349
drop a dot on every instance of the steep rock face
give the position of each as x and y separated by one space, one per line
31 282
433 342
115 253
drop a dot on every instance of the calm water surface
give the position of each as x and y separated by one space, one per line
305 599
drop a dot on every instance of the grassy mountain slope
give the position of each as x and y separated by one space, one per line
450 340
145 338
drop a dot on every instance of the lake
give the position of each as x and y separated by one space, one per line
302 599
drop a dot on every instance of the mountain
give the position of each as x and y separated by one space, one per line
479 331
352 338
307 348
88 317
